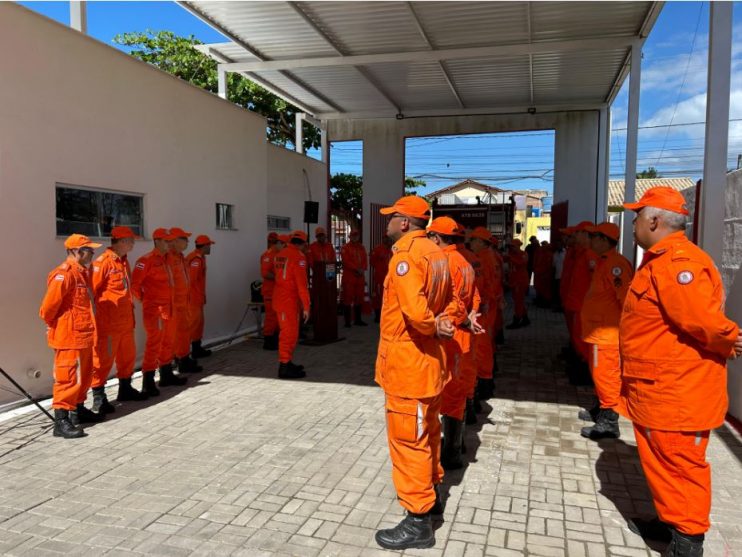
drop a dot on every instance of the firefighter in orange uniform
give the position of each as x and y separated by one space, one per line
444 231
518 281
152 285
290 299
675 340
67 309
178 330
270 325
379 259
410 368
320 249
196 263
114 321
355 263
600 315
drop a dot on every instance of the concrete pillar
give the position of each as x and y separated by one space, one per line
711 211
632 139
79 16
221 74
299 131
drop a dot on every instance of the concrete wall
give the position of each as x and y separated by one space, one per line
732 274
76 111
576 151
287 186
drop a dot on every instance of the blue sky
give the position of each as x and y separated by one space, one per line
673 91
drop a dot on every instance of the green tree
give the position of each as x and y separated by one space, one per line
411 185
178 56
650 172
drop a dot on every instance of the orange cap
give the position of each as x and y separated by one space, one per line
607 229
283 238
272 236
444 225
482 233
583 226
409 206
298 235
162 234
121 232
176 232
79 241
460 230
204 240
515 242
319 230
662 197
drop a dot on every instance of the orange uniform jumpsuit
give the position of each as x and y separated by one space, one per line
270 326
354 259
379 259
675 340
469 361
196 263
114 318
321 252
542 272
410 366
152 284
580 277
177 338
518 280
459 348
490 289
600 315
290 297
68 311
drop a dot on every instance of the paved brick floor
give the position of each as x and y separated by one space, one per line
239 463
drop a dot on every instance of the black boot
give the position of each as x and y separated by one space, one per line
524 322
437 508
346 315
86 416
485 388
63 426
415 530
148 384
471 414
590 415
286 371
358 317
100 402
168 378
198 351
650 530
515 324
127 392
606 426
451 444
296 367
189 365
684 545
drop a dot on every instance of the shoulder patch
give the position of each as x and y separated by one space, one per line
403 268
195 263
59 277
139 265
616 271
685 277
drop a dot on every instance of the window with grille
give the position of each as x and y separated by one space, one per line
279 223
94 212
225 216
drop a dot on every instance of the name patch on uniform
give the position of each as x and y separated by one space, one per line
59 277
685 277
139 266
617 271
195 263
402 268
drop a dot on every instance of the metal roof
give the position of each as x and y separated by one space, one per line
380 59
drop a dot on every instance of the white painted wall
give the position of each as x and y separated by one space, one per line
732 273
287 186
74 110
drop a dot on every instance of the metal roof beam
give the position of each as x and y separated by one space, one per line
521 49
444 112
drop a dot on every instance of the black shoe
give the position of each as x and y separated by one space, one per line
485 388
684 545
653 529
452 430
100 402
515 324
589 415
471 414
86 416
148 384
286 371
606 426
346 316
524 322
63 426
296 367
168 378
358 317
198 351
127 392
437 508
415 530
189 365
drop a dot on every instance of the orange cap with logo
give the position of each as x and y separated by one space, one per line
76 241
481 233
204 240
299 235
272 236
121 232
661 197
607 229
176 232
444 225
409 206
583 226
162 234
320 231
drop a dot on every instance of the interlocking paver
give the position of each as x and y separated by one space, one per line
239 463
